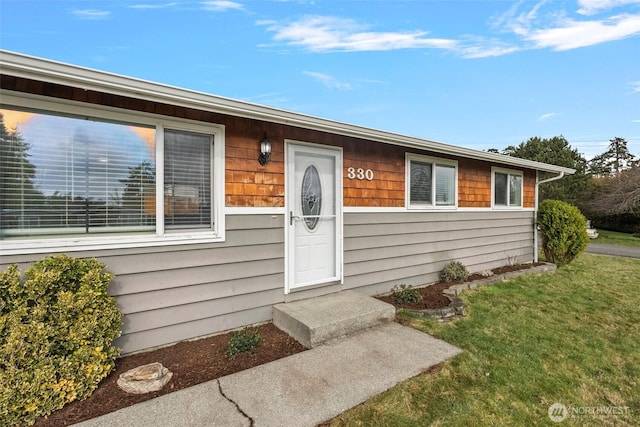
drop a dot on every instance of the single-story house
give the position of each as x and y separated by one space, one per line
210 210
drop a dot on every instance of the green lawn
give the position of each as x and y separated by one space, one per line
571 338
615 238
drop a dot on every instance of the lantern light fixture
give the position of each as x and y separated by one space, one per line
265 150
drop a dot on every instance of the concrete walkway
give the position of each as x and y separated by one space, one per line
305 389
615 250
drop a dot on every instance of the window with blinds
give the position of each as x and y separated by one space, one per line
431 182
66 175
187 180
507 189
77 176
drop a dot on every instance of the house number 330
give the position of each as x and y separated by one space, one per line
353 173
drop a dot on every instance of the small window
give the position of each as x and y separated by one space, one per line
187 180
431 182
507 188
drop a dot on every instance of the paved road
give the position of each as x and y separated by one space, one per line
601 248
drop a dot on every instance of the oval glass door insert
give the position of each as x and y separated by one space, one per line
311 197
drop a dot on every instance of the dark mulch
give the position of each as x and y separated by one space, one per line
192 362
195 362
432 297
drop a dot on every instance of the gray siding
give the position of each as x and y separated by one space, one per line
173 293
386 249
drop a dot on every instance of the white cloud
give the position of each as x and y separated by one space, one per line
571 34
327 80
326 33
635 121
153 6
91 14
636 86
591 7
222 5
541 25
518 23
546 116
479 47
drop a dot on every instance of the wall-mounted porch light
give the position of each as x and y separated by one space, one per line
265 150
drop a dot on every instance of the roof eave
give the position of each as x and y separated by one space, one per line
20 65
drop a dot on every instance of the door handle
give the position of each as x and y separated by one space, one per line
292 217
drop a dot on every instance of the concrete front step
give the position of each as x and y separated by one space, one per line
316 320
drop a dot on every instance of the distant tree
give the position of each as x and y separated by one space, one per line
615 159
619 194
18 194
575 189
139 190
493 150
598 166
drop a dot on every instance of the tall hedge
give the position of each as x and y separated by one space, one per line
57 329
563 230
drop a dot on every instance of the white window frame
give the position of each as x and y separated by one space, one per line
507 172
434 161
35 245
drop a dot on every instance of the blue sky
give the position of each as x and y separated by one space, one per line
479 74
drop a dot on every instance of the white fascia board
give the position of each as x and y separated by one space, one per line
20 65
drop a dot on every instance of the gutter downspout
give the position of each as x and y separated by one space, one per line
535 212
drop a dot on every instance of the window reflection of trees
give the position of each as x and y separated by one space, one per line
105 203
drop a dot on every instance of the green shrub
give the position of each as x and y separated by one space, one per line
405 294
57 329
455 270
243 341
563 231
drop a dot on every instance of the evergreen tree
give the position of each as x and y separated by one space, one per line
617 157
576 189
18 196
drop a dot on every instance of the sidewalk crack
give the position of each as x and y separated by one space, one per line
251 422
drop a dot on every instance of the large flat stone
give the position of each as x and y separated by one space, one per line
316 320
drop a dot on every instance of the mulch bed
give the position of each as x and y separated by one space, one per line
432 297
192 362
195 362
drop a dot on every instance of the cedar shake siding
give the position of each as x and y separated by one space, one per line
250 185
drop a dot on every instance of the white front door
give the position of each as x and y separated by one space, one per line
314 205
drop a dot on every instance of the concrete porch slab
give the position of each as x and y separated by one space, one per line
316 320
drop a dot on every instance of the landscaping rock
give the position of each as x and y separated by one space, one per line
456 306
144 379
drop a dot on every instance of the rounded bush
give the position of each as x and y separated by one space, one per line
57 329
454 271
243 341
563 231
405 294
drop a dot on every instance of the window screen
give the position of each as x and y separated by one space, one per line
445 185
187 180
515 190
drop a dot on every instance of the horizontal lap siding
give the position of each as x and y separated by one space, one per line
173 293
387 249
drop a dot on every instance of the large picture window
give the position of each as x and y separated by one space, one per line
67 176
507 188
431 183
